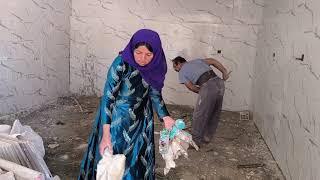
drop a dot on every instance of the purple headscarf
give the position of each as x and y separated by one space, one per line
154 72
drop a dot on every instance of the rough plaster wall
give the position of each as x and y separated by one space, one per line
34 52
286 91
194 29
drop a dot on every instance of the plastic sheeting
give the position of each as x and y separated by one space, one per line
111 167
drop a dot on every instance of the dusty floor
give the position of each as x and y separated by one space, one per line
65 126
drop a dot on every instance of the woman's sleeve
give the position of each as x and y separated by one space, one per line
111 89
158 103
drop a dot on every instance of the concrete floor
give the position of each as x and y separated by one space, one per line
65 127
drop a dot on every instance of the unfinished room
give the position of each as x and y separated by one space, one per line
159 89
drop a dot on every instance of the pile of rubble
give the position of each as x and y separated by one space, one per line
21 154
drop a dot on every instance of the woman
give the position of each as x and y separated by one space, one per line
124 122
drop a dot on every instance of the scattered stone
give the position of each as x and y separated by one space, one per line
215 153
64 157
52 146
82 146
233 159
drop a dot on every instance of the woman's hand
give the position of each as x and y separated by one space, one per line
168 122
106 140
105 144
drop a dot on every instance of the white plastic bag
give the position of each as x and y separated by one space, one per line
5 129
35 147
28 134
169 159
177 146
111 167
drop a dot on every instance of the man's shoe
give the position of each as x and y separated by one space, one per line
206 140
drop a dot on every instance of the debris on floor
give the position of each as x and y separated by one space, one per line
22 152
237 151
16 171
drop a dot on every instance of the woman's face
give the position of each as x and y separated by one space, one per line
142 55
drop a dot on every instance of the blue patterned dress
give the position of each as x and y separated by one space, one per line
127 105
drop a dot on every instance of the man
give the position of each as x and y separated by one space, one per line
198 76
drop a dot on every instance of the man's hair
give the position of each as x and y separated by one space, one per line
178 60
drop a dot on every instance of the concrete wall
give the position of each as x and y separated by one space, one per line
193 29
286 91
283 92
34 53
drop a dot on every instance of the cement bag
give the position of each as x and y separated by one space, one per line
111 167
